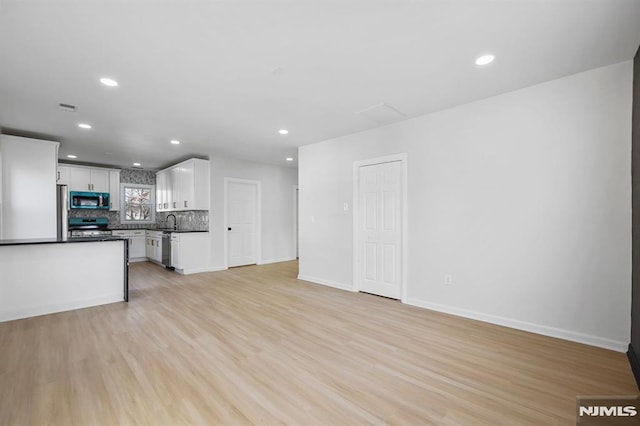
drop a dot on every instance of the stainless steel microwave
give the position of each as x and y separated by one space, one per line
89 200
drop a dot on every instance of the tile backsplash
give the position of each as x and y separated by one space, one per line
139 176
197 220
194 220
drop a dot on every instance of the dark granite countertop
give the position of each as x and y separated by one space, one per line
27 241
180 231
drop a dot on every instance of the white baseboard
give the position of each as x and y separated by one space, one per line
284 259
322 281
525 326
201 270
34 311
138 259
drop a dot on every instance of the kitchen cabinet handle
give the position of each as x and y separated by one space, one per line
185 203
174 204
58 176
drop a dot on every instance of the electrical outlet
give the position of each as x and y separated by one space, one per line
345 207
448 279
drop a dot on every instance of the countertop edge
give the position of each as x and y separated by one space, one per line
33 241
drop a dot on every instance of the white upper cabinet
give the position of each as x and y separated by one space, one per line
100 180
92 179
63 175
114 190
161 191
88 179
184 186
79 179
173 188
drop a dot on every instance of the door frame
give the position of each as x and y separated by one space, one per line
258 184
402 158
296 212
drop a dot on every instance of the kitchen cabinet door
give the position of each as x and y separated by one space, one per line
176 253
161 191
63 175
137 247
184 186
79 179
88 179
195 184
190 252
157 250
114 190
175 190
99 180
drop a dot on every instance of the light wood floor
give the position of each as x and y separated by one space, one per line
255 346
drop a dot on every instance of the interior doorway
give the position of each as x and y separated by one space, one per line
243 222
380 226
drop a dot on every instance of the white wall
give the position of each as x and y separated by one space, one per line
277 207
524 198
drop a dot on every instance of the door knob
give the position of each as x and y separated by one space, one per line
228 229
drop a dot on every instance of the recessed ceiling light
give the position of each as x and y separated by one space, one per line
485 59
84 125
175 142
289 158
72 156
108 82
283 131
136 164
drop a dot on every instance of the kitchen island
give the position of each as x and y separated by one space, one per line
43 276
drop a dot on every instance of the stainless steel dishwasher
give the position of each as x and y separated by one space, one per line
166 249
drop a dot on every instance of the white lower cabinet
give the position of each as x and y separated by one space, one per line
154 246
137 246
190 252
176 251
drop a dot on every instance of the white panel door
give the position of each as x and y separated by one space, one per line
380 229
242 223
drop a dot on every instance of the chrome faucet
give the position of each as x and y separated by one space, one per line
175 221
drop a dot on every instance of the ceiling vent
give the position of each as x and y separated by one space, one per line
382 114
67 107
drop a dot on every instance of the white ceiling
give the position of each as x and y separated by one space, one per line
224 76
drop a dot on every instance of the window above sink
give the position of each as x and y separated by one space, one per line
138 203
